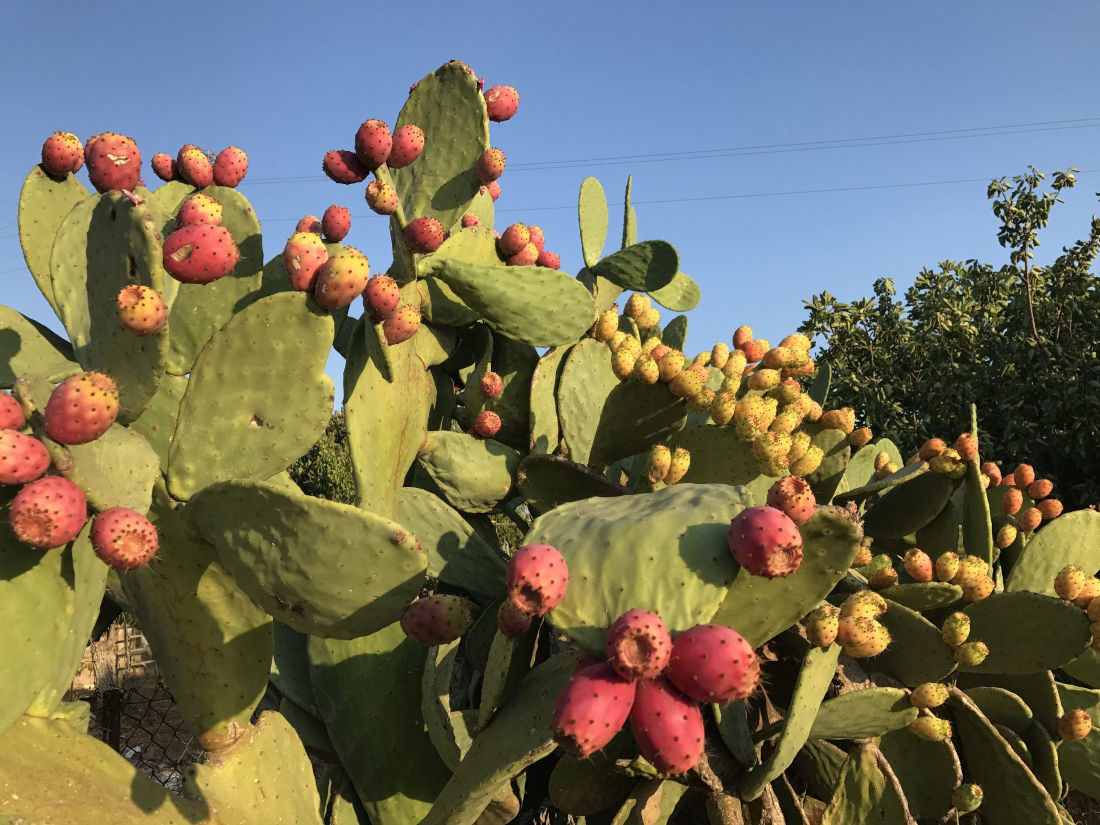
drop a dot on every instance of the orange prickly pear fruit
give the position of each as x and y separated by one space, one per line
1023 475
1049 508
1075 725
860 437
966 445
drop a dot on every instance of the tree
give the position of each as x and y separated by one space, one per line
326 470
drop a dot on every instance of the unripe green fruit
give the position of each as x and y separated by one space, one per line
928 695
931 728
967 798
956 629
971 654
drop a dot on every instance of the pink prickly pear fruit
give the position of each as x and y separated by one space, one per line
470 219
591 709
548 259
62 153
230 167
822 626
194 167
511 621
401 325
765 542
141 310
486 424
667 726
310 223
514 240
81 408
336 223
114 162
918 564
928 695
423 235
408 143
200 253
538 238
741 336
11 414
22 458
47 513
344 167
494 188
638 645
303 255
341 279
381 297
792 495
437 620
1074 725
537 579
489 167
862 637
490 385
381 197
199 208
373 143
1012 501
501 103
164 167
966 445
713 663
123 538
525 257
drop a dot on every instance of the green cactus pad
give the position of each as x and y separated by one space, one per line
584 385
642 267
43 206
508 662
879 486
917 653
675 332
941 534
583 787
450 109
200 310
1085 668
231 426
513 299
863 714
614 546
518 736
158 422
28 347
309 728
515 363
1073 538
733 728
474 474
439 304
825 480
680 294
976 520
549 480
116 470
1045 758
863 795
290 667
1037 690
433 344
285 549
593 219
818 668
718 456
263 777
820 762
759 608
630 217
921 596
448 729
926 771
1057 632
543 422
1001 706
1080 761
861 468
368 692
1013 795
909 507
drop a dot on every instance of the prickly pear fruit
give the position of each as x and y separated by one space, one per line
123 538
344 167
47 513
303 255
861 637
548 259
863 556
401 325
1006 536
956 629
860 437
199 208
423 235
490 385
114 162
489 167
164 167
723 408
408 143
1012 501
971 654
931 728
1068 582
918 564
978 588
966 445
792 495
713 663
701 401
883 577
373 143
843 419
501 103
310 223
22 458
470 219
538 237
678 466
1074 725
230 167
992 472
486 424
381 197
928 695
765 542
525 257
646 369
1093 610
493 188
863 603
808 463
341 279
511 621
1040 488
1023 475
513 240
141 310
200 253
1049 508
688 382
822 626
638 645
11 414
537 578
194 166
1089 591
622 363
591 709
381 297
81 408
62 153
741 336
947 566
437 620
1028 520
336 223
657 463
967 798
667 726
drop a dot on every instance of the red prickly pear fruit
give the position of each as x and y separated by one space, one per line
200 253
11 414
511 622
81 408
199 208
336 223
713 663
341 279
310 223
381 197
667 726
486 424
741 336
1023 475
114 162
591 709
437 620
792 495
551 260
501 103
639 645
62 153
765 542
303 255
514 240
493 189
48 513
1074 725
164 167
194 167
1012 501
423 235
123 538
343 166
470 219
490 386
230 167
525 257
489 167
1040 488
408 143
401 325
538 237
537 579
754 350
918 564
140 310
373 142
22 458
381 297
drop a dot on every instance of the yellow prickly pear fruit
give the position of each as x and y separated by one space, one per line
800 443
773 467
771 408
971 654
788 392
742 335
1012 501
882 458
843 419
863 556
744 428
966 445
808 463
883 577
730 385
646 369
701 401
719 355
751 407
971 568
681 461
616 340
636 304
702 359
979 589
689 382
928 695
648 319
888 470
822 626
1089 591
1028 520
931 728
769 446
866 603
778 357
735 365
813 409
918 564
723 408
798 358
657 463
630 344
606 325
1006 536
649 346
1068 582
932 448
1075 725
956 629
796 341
670 364
785 421
860 437
862 637
622 363
763 379
946 462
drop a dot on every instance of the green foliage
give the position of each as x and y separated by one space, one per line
326 470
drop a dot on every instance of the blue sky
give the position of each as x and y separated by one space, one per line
603 81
